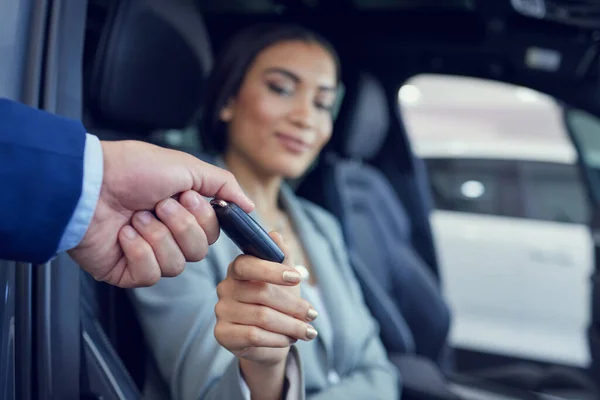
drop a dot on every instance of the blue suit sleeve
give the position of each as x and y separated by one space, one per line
41 179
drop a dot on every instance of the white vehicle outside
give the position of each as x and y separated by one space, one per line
510 229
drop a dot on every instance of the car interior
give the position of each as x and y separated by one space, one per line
144 64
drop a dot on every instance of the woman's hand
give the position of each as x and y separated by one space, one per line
260 313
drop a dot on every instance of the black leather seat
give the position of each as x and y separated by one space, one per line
377 227
147 71
145 76
400 288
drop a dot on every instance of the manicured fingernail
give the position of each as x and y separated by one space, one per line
129 232
291 277
144 217
192 201
168 207
312 314
311 333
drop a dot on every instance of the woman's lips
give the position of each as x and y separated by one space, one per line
292 144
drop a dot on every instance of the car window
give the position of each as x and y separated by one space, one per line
479 186
586 130
553 192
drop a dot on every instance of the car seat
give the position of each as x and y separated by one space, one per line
396 281
376 226
145 74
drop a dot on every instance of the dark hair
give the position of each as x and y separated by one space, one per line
232 65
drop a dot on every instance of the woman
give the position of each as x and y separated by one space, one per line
273 92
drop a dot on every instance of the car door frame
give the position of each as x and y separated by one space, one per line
21 53
42 51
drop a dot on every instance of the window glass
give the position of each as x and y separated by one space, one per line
498 149
586 129
553 192
475 186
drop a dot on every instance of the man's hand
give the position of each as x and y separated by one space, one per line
125 244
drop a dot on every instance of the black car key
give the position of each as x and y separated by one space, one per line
245 232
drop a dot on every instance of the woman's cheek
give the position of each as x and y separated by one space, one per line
268 110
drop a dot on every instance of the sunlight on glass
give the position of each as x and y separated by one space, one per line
409 94
472 189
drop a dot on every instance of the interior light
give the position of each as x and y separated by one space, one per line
472 189
527 95
409 94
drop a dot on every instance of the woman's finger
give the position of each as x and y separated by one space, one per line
250 268
265 318
276 297
168 254
239 337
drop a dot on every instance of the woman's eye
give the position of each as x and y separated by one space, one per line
280 89
324 107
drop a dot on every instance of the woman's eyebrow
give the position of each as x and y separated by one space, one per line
291 75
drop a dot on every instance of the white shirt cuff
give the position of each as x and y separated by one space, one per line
292 373
93 169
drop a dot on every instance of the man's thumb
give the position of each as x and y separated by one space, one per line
212 181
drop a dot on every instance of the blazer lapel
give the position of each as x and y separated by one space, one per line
323 262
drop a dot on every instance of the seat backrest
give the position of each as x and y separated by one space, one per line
376 226
148 70
146 74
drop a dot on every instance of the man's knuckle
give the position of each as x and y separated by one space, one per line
158 234
179 225
219 310
178 266
150 278
138 253
219 333
188 222
222 289
197 253
253 336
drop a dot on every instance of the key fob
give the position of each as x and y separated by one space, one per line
245 232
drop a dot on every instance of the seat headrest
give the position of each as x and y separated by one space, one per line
150 67
364 120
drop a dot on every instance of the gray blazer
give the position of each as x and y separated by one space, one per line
178 319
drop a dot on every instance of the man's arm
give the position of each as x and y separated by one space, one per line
41 175
59 190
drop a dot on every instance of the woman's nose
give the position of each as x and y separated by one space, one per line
303 114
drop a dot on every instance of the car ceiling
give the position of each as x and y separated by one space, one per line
397 39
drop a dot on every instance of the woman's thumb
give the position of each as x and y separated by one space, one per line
278 239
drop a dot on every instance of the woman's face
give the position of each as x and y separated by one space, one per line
281 117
